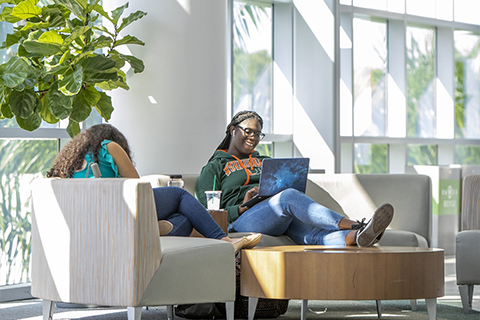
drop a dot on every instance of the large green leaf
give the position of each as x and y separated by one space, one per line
104 106
6 111
23 103
30 25
46 114
11 39
117 13
31 123
26 9
74 7
45 49
101 42
131 18
134 62
54 16
7 16
73 128
98 8
99 77
84 101
128 39
51 37
97 63
2 94
59 104
14 72
72 83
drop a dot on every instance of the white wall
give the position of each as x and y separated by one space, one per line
314 117
186 73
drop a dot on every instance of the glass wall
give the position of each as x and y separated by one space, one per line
370 71
21 161
252 60
413 100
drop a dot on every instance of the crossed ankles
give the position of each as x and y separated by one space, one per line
371 232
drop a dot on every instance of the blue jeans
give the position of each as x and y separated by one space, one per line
185 213
293 213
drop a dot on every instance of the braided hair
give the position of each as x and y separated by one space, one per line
236 120
70 158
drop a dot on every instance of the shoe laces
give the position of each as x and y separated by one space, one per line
360 225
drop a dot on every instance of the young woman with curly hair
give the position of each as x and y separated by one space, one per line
178 211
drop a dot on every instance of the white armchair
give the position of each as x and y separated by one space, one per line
96 241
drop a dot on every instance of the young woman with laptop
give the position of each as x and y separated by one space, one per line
235 169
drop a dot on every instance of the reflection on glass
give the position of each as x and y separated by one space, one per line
467 154
252 60
22 161
370 158
370 69
467 85
421 155
420 82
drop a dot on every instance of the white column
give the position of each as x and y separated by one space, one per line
175 113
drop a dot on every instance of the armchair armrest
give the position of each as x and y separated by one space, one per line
94 241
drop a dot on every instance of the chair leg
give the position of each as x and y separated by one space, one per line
170 312
466 293
134 313
252 306
413 303
230 308
379 308
47 310
303 309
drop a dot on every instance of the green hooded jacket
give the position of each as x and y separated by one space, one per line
233 176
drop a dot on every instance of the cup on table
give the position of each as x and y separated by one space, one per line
213 199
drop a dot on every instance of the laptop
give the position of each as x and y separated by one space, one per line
279 174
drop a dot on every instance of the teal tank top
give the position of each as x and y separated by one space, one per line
107 166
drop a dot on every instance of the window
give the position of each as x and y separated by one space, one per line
467 85
371 158
370 71
252 60
21 162
420 82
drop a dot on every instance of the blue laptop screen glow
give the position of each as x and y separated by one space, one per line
279 174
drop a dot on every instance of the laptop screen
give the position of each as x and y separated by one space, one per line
279 174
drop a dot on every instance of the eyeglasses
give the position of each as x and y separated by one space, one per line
249 132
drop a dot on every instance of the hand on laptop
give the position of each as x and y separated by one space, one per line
249 195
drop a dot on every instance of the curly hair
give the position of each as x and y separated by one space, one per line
70 158
236 120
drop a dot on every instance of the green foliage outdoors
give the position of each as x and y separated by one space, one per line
20 162
379 160
421 155
64 61
420 75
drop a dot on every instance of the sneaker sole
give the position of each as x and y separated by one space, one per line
380 220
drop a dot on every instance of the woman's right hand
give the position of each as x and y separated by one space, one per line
249 195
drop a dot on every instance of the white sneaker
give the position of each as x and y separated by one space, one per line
373 230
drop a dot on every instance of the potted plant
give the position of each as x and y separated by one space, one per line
64 61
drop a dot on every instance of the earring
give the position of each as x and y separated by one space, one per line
233 134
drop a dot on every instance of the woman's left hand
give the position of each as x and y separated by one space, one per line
249 195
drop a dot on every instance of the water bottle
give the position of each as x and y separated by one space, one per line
175 181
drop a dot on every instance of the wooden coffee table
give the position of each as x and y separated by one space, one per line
342 273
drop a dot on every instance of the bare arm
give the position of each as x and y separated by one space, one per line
123 162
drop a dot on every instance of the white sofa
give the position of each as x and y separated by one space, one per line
357 196
96 242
